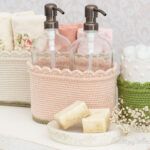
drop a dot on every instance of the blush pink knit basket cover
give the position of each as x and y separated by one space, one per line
54 89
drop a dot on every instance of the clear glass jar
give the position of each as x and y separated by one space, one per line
52 50
91 52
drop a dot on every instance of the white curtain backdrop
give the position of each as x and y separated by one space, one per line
129 19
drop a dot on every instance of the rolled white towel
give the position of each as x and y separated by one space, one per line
129 52
142 52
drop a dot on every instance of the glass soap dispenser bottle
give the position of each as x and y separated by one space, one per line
51 49
92 51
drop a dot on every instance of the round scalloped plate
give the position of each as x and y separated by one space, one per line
75 136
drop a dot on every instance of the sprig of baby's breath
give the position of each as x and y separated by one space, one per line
131 118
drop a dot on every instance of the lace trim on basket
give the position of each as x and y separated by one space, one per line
15 54
75 73
133 85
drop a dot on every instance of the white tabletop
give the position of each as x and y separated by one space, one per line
19 132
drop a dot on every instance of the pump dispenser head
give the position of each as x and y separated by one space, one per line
51 13
91 13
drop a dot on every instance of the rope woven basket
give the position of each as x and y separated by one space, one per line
14 78
134 94
54 89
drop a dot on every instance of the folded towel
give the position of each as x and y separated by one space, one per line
6 33
30 12
6 38
70 31
26 29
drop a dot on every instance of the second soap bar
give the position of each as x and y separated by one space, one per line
72 114
98 121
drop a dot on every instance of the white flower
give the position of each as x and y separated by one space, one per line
146 108
128 118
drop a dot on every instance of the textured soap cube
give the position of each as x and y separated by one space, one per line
72 115
97 122
105 111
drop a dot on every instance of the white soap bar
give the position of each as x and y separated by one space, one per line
100 111
97 122
72 114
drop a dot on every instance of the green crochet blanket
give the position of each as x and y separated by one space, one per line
134 94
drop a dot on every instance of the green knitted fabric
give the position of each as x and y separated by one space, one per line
134 94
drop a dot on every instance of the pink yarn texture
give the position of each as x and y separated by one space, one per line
54 89
70 31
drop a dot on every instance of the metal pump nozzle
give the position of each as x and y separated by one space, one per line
51 13
91 13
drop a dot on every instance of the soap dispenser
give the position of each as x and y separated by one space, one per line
92 51
51 49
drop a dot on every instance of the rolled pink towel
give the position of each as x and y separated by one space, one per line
70 31
105 32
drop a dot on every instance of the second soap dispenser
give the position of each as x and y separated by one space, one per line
51 49
92 51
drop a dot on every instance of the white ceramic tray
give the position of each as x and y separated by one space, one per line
75 136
